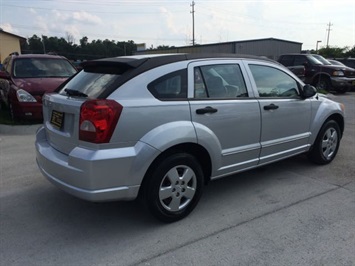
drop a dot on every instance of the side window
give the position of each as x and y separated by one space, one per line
287 60
171 86
300 60
219 81
272 82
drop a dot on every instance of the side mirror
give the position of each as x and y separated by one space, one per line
308 91
4 75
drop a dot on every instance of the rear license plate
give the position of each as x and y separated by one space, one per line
57 119
353 82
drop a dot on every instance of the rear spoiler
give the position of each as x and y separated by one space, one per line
112 66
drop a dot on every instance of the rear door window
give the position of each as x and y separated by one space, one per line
219 81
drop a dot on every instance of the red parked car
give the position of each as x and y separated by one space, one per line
25 78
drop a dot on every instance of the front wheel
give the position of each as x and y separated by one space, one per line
173 187
327 143
323 84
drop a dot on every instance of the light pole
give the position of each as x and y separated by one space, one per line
317 46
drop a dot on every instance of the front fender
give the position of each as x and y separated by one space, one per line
323 109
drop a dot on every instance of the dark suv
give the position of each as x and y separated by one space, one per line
320 73
25 78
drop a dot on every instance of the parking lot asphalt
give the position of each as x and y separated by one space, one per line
289 213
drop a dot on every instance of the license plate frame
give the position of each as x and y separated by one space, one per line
57 119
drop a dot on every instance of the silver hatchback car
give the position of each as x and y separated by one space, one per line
162 126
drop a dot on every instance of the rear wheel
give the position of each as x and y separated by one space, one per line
327 143
173 187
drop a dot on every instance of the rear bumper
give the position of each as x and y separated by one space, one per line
101 175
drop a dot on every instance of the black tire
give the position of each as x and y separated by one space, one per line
326 144
173 187
323 83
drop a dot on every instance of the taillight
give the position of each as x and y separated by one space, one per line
98 119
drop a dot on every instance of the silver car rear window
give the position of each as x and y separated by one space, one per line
90 83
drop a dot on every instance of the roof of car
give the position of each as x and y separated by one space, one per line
36 56
162 59
147 62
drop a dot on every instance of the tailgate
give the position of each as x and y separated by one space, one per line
61 121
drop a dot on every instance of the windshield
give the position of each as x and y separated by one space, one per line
314 61
42 68
90 84
322 59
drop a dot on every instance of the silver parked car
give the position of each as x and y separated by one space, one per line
162 126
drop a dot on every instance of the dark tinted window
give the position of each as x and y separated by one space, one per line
287 60
170 86
313 61
300 60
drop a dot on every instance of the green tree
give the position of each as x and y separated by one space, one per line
162 47
35 45
350 52
333 52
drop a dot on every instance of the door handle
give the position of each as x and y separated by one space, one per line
271 107
207 109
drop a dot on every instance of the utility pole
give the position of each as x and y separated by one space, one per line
329 25
193 22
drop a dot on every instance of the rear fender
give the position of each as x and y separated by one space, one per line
171 134
165 136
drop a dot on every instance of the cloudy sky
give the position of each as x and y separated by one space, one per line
169 22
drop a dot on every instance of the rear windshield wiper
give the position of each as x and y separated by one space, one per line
71 92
